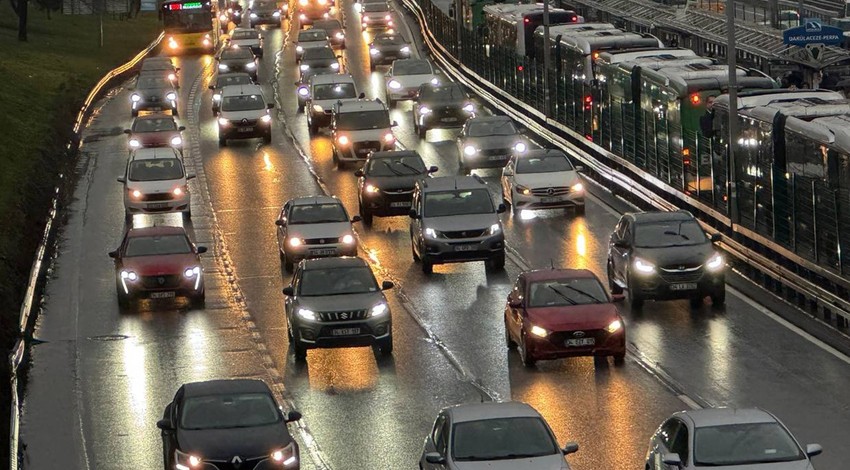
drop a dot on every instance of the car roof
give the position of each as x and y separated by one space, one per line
444 183
490 119
156 230
726 416
334 262
393 154
359 105
232 74
389 36
323 52
660 216
558 273
543 153
236 53
150 153
491 410
325 78
245 30
234 90
312 200
312 31
224 386
156 75
319 23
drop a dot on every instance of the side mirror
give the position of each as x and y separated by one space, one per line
339 57
672 459
121 179
296 83
579 168
293 416
715 237
288 291
191 176
165 425
181 128
359 173
813 449
501 209
356 218
570 448
279 222
394 124
270 106
433 169
618 297
413 214
128 131
211 87
113 254
435 458
361 96
387 285
622 244
177 70
201 250
451 15
515 303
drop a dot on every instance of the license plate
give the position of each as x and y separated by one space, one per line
158 205
400 204
684 286
550 199
363 151
497 157
466 247
246 129
323 252
162 295
449 119
580 342
345 331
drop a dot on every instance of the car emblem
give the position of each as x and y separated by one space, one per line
321 241
236 460
344 315
681 268
244 120
160 280
550 191
578 334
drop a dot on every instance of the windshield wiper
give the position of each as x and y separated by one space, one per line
584 293
395 172
678 232
561 295
414 169
516 456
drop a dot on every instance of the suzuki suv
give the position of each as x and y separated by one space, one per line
453 220
359 128
244 114
323 93
155 182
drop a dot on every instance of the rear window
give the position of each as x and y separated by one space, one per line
312 35
154 125
233 80
412 67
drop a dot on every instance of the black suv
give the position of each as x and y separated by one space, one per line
663 256
443 105
386 183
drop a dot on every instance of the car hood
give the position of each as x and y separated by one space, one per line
547 462
493 141
332 303
224 444
797 465
394 182
154 91
161 265
152 138
688 256
375 14
389 47
240 115
412 81
245 42
328 104
460 222
573 317
235 62
546 180
154 187
329 230
312 44
437 104
365 134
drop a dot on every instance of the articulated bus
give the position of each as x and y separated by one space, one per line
190 25
512 26
558 31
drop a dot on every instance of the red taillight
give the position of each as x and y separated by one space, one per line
588 103
520 68
686 152
527 21
174 6
695 99
574 19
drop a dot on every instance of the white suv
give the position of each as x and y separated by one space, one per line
244 114
359 128
156 182
322 93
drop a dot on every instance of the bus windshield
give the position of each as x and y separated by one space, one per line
187 17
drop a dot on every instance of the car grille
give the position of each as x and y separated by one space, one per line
681 273
246 122
398 192
555 191
161 282
494 152
560 336
247 464
321 241
363 148
466 233
346 315
153 99
157 197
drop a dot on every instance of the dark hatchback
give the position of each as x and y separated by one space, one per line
335 30
665 256
440 106
386 183
227 79
227 425
240 59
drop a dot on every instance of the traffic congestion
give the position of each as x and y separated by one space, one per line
426 283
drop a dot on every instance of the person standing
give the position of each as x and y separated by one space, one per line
706 121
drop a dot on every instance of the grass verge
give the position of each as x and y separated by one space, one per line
45 81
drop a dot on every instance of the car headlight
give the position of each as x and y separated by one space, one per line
223 18
520 147
253 15
389 137
394 84
342 140
185 461
323 2
250 65
134 143
171 96
372 188
176 140
222 66
266 118
614 326
303 3
276 14
285 456
172 77
192 272
643 266
223 122
405 50
178 191
335 65
302 17
468 107
303 91
388 17
424 110
577 188
304 67
429 232
217 97
340 36
435 81
129 275
495 228
379 310
470 150
306 314
523 189
299 49
348 239
135 193
537 331
295 241
135 98
374 51
715 262
318 109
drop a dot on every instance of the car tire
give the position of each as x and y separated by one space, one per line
620 358
509 342
718 299
427 265
579 210
199 301
187 214
496 263
367 215
134 113
421 131
696 301
313 129
288 264
615 288
222 141
386 345
123 302
335 157
636 300
128 217
413 251
527 360
300 108
267 138
174 112
299 350
391 103
372 66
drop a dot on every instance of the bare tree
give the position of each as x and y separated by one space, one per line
21 8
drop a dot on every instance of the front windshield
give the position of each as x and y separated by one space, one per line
458 202
485 128
159 245
562 292
228 80
669 233
327 25
337 281
502 439
744 444
152 82
154 125
264 7
312 35
237 54
451 92
243 103
155 169
373 7
389 40
412 67
245 35
187 21
363 120
543 164
396 166
317 214
332 91
225 411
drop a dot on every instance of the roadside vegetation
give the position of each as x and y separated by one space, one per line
45 80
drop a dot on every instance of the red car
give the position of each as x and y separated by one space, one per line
155 130
158 263
556 313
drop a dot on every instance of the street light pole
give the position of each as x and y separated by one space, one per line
731 164
547 52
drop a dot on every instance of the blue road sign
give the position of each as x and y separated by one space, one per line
813 32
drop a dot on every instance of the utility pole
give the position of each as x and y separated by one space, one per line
732 61
800 12
547 52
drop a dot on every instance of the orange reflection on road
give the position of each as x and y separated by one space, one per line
267 162
342 370
576 236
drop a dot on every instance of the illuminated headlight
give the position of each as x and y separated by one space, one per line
424 110
435 81
266 118
186 461
394 84
285 456
135 98
495 228
172 77
388 17
714 263
405 50
614 326
342 140
340 36
129 275
177 191
303 91
192 272
389 137
173 44
577 188
537 331
299 49
295 241
176 141
429 232
348 239
468 107
306 314
335 65
318 109
171 96
374 51
223 67
372 188
223 122
135 193
253 15
303 2
276 14
304 67
523 190
323 2
302 17
250 65
470 150
134 143
520 147
206 42
643 266
217 97
379 310
223 18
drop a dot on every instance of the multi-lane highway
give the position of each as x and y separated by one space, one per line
100 380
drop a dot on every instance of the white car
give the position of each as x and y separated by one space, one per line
322 93
542 179
248 39
309 39
359 128
406 76
155 181
244 114
314 227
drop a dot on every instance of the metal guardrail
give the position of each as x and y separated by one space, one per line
638 183
16 356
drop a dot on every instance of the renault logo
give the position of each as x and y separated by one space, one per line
578 334
244 120
236 460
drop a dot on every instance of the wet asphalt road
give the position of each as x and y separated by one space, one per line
116 372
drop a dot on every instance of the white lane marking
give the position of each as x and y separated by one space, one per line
690 402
